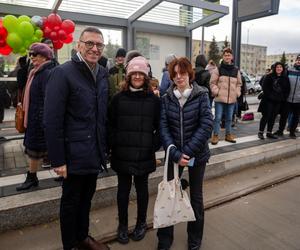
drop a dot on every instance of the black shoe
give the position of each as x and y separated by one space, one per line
278 133
271 136
139 231
59 178
293 136
31 181
123 234
261 135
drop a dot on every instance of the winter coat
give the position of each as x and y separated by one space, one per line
188 128
116 76
276 88
34 138
165 82
134 132
225 84
75 117
202 77
294 77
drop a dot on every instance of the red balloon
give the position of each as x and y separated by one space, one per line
57 44
56 28
47 31
6 50
53 36
53 20
68 26
45 22
62 35
69 39
2 42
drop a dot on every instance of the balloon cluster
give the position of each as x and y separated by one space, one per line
4 48
21 33
58 31
17 34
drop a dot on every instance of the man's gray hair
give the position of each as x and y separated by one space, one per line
92 30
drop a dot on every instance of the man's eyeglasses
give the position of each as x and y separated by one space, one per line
90 45
33 54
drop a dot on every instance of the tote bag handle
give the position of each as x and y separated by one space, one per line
166 164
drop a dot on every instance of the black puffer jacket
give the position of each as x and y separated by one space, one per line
134 132
189 127
276 88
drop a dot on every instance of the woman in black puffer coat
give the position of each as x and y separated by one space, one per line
134 137
186 122
33 106
276 88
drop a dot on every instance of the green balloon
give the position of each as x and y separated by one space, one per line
22 51
27 43
23 18
34 39
14 41
25 30
38 33
10 22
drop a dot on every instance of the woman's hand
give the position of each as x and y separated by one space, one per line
184 160
61 171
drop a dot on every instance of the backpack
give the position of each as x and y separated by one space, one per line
249 116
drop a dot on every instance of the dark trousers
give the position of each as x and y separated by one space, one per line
124 187
295 110
284 113
269 116
194 228
77 193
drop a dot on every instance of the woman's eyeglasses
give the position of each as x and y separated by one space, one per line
33 54
90 45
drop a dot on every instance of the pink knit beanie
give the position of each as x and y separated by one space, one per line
137 64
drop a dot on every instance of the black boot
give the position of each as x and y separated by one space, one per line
139 231
123 234
271 136
261 135
31 181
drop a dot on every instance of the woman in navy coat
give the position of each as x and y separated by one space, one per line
33 106
186 122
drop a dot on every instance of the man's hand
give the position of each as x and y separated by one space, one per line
184 160
61 171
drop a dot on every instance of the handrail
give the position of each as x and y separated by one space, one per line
8 79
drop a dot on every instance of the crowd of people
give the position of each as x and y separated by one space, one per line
80 115
280 96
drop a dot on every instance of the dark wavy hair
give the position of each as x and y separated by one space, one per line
125 84
184 65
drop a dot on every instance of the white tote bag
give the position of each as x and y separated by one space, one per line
172 204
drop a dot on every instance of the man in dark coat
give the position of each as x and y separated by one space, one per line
75 118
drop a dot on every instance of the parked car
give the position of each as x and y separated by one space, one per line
257 87
250 86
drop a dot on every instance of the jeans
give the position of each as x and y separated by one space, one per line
194 228
77 194
295 110
228 109
141 187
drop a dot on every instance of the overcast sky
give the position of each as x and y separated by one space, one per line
278 32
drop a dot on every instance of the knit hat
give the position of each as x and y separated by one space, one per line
137 64
42 49
121 52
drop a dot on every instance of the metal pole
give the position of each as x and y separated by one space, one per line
234 26
202 41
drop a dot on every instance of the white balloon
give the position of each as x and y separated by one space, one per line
37 20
